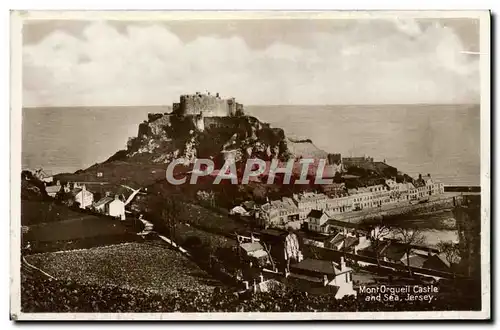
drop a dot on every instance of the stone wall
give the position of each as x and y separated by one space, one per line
208 105
155 124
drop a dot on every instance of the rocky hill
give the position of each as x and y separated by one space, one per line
164 137
167 136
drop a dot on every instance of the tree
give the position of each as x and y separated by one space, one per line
451 253
409 237
170 214
164 212
468 217
378 233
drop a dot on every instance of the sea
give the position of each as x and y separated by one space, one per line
441 140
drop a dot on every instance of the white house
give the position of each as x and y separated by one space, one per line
117 208
54 189
320 275
113 207
316 219
82 196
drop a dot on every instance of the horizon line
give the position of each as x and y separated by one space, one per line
254 105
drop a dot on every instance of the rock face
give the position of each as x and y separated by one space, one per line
167 136
206 126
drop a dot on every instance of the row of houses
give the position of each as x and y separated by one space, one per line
311 275
295 210
349 238
78 193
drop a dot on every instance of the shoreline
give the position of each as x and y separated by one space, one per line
437 204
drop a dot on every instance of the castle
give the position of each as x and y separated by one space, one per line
207 105
202 110
200 106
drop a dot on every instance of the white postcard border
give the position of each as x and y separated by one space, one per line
19 17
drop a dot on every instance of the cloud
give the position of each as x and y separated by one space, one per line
373 62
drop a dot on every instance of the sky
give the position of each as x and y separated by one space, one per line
259 62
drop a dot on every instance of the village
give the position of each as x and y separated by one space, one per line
273 251
329 239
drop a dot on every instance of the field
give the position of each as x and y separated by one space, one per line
83 227
60 228
143 266
36 212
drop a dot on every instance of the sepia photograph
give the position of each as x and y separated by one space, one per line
250 165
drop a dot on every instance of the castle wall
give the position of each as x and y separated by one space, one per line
176 108
210 106
155 124
239 109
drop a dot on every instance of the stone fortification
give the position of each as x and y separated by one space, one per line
207 105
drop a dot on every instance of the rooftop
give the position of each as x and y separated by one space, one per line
251 247
319 266
52 189
308 196
316 214
103 201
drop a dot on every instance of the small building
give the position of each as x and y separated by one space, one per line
439 262
82 196
254 251
278 213
316 219
54 189
322 277
239 210
113 207
342 242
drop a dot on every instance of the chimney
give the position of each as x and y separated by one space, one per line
342 263
83 187
325 280
117 197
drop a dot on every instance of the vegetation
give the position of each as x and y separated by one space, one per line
38 295
451 253
409 237
377 234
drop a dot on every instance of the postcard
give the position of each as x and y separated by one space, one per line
250 165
